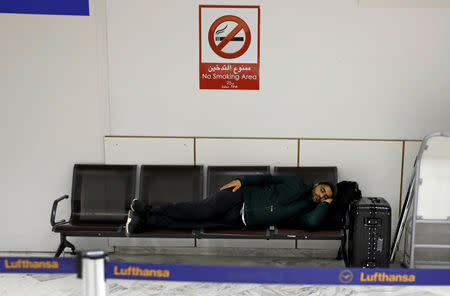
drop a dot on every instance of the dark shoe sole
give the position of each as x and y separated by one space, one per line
131 205
139 207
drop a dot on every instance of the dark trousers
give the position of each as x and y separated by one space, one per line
221 209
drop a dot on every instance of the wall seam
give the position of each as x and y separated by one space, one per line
401 178
195 151
108 91
266 138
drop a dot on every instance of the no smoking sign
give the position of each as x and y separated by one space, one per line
229 47
218 43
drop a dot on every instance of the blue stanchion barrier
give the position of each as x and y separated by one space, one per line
37 265
235 274
278 275
62 7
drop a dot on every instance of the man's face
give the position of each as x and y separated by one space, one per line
321 192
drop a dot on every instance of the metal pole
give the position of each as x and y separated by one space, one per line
417 165
403 218
414 215
405 239
91 268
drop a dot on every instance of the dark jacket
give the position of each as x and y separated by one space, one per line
270 200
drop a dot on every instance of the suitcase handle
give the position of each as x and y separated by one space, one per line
375 199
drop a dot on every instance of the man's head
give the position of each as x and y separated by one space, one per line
322 191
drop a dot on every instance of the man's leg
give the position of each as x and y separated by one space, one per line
209 209
231 219
213 211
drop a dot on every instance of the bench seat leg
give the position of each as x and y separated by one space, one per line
339 254
64 244
342 254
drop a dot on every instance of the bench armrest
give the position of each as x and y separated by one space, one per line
53 214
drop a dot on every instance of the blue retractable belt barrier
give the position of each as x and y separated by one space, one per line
235 274
37 265
62 7
278 275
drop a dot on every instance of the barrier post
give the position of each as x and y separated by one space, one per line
91 268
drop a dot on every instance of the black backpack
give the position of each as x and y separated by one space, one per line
347 191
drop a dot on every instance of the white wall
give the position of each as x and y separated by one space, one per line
53 113
328 69
404 3
383 73
378 166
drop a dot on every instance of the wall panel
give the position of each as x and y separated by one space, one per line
328 70
247 152
404 3
52 115
375 165
125 150
158 151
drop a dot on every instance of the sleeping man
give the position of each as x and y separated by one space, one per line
249 201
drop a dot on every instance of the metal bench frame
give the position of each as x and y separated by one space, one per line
65 228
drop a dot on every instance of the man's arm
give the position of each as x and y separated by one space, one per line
266 180
315 217
252 180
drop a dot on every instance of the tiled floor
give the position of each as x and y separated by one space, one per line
69 285
230 256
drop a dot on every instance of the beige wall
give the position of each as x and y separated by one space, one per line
53 104
379 167
67 81
329 69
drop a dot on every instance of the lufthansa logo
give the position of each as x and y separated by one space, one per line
346 276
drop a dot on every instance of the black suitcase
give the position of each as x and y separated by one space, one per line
369 233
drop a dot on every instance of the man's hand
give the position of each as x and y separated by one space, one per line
328 200
235 183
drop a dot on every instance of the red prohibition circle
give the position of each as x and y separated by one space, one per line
241 25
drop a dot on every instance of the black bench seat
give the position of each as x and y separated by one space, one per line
310 234
101 195
233 233
90 230
167 233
